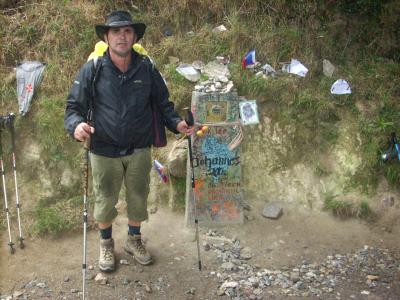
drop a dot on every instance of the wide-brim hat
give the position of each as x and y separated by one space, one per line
120 18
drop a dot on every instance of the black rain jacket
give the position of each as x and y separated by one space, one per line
122 111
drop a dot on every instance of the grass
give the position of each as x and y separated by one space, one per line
346 208
61 34
179 185
57 215
339 208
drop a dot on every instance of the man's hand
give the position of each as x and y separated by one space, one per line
83 131
183 128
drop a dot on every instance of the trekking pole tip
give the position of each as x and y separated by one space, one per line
21 243
12 250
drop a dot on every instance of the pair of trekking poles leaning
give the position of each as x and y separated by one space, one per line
7 122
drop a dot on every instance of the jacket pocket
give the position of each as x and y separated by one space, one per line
138 95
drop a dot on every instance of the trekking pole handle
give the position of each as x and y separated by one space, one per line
89 119
189 118
10 122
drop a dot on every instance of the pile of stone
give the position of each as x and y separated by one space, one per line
264 70
216 71
214 85
241 280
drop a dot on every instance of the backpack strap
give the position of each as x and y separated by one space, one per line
97 63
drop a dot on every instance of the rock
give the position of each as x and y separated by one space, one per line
206 246
294 276
230 284
126 281
74 291
365 292
147 288
259 74
268 70
191 291
198 65
372 277
66 279
219 29
257 292
245 205
223 59
188 72
17 294
328 68
173 60
101 279
177 159
41 285
229 86
249 217
216 70
387 202
124 262
167 32
220 292
228 266
246 253
272 211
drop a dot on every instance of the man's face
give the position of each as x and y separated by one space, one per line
120 40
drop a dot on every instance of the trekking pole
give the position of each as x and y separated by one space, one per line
86 146
10 243
190 122
10 123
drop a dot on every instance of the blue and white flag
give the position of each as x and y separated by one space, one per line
249 60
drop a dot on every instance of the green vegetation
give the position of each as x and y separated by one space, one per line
340 208
55 215
346 208
360 37
179 190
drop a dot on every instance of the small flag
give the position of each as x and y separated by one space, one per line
249 60
161 170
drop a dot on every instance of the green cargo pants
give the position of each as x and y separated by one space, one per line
109 173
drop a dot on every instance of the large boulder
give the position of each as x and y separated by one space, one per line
177 159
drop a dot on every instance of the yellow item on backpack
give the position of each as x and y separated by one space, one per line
101 47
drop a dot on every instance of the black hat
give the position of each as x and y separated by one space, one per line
120 18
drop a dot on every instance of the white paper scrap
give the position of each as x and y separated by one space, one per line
340 87
297 68
188 72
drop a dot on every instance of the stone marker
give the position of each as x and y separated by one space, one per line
272 211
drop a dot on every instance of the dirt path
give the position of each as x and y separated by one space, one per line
51 268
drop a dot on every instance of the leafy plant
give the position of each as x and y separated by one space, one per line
339 208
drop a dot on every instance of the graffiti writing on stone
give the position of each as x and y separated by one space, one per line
215 159
218 176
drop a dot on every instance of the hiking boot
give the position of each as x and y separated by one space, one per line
134 246
107 260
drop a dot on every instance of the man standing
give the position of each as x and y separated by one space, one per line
127 85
